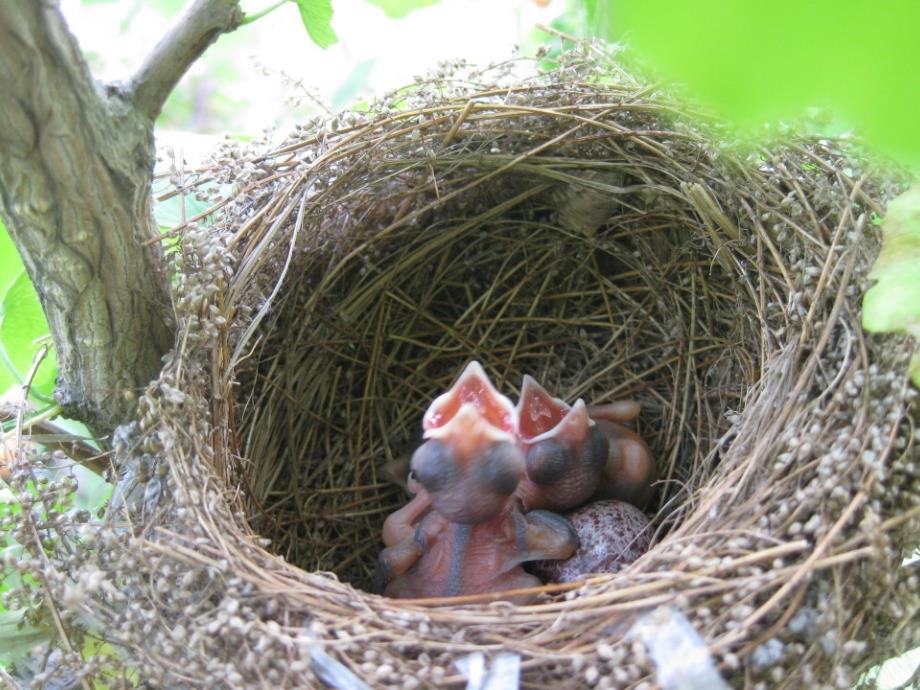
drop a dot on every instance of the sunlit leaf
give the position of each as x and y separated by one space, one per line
597 17
757 61
317 19
893 303
21 323
395 9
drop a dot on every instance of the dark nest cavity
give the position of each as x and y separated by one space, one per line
635 307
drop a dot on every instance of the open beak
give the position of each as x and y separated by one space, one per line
469 432
469 467
541 416
473 387
537 410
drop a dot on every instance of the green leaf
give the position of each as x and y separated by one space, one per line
893 303
93 492
22 324
15 641
597 17
757 61
317 18
396 9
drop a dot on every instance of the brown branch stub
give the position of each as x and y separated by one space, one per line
199 25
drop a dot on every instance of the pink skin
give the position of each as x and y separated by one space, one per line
473 387
629 472
401 524
463 533
443 558
620 469
564 453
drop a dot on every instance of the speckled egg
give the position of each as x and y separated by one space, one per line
612 534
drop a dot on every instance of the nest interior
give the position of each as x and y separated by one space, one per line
584 265
579 229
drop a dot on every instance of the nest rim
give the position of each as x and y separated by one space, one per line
597 606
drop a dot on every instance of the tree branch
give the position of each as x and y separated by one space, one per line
76 163
199 25
75 170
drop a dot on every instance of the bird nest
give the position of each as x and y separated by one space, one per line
578 227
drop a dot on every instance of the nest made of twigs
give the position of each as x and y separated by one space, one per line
577 227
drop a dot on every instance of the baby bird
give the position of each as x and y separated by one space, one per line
489 473
565 452
578 453
463 532
629 472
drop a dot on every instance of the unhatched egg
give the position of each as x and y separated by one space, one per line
612 534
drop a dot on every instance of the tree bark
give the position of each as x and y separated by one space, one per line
76 164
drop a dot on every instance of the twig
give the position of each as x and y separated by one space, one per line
9 681
255 16
199 25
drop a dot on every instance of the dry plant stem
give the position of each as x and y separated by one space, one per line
43 432
37 546
54 438
24 393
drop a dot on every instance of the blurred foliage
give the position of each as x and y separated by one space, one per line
201 101
167 7
23 328
893 304
395 9
18 637
19 634
759 61
317 20
353 84
217 95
